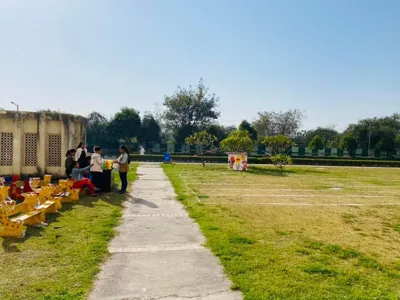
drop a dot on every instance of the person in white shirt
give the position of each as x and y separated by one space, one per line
123 161
97 167
81 155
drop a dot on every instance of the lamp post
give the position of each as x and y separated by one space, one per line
16 105
369 139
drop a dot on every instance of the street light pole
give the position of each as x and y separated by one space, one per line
369 139
16 106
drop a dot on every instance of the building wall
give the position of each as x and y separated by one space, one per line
36 143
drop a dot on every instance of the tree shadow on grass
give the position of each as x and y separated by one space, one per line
268 171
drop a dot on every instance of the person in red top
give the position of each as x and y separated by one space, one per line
81 182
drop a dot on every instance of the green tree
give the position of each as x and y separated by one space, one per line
335 142
330 137
150 129
201 139
279 144
316 143
97 133
248 127
181 133
387 141
397 141
327 134
125 125
238 141
189 110
376 133
349 143
302 138
220 131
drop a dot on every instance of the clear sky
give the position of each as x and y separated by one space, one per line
338 60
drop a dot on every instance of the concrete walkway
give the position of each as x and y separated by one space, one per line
158 252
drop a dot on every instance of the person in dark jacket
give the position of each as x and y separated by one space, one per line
70 162
81 155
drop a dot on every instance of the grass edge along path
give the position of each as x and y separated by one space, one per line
61 261
263 269
190 200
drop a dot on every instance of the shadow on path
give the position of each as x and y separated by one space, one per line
141 201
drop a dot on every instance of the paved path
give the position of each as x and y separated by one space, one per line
158 252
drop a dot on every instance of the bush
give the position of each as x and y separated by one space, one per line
281 160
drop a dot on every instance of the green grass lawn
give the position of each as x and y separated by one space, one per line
61 260
307 233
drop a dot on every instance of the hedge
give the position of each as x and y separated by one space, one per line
180 155
257 160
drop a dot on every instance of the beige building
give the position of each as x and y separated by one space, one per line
36 142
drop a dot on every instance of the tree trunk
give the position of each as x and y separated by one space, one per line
202 161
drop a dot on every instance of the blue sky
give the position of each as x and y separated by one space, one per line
338 60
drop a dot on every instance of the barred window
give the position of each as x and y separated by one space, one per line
54 150
6 149
31 149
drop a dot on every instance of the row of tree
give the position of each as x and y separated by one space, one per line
376 133
126 125
194 109
186 112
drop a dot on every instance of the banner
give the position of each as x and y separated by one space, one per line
237 161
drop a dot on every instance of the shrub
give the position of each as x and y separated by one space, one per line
279 144
238 141
281 160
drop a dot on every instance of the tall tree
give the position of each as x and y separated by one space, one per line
166 134
189 110
387 141
150 129
279 123
125 125
250 129
349 143
97 129
302 138
327 135
376 133
220 131
279 144
316 143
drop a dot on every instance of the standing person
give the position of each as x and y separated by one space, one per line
97 167
124 160
142 151
70 162
81 154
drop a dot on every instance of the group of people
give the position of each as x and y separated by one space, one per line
87 171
